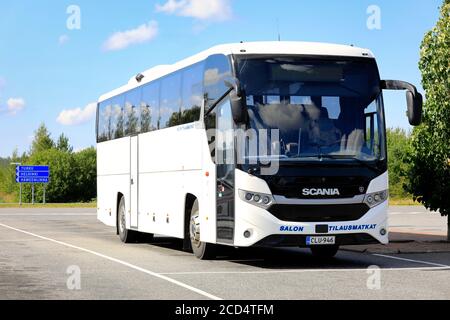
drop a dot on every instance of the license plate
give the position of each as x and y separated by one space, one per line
320 241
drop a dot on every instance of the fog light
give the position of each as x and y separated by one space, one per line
383 232
249 197
247 234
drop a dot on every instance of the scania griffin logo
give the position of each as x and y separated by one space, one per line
321 192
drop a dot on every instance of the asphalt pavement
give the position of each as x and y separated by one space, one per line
68 254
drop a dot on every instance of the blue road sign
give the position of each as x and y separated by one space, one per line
32 180
32 174
32 168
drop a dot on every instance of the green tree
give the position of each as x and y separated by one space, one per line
62 173
63 144
398 146
85 175
42 140
8 185
430 157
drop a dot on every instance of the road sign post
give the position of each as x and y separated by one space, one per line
32 175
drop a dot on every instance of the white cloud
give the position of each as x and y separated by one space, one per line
63 39
213 10
77 116
123 39
15 105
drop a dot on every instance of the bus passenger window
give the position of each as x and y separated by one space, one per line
117 117
132 112
170 101
150 107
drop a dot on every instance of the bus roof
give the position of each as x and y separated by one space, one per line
246 48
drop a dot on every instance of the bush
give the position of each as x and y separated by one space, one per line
398 145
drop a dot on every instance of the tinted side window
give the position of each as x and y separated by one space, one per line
104 121
150 107
217 69
132 112
192 93
170 101
117 117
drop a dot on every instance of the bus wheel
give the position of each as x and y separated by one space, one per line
202 250
324 251
127 236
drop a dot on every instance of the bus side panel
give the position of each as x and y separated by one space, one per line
113 177
203 185
170 167
161 181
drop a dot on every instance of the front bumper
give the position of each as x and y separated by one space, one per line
266 230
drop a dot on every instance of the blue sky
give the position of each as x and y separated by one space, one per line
51 74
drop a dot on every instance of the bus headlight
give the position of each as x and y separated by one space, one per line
374 199
258 199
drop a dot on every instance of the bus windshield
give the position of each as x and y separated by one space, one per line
323 108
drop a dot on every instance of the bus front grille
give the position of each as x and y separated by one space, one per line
319 213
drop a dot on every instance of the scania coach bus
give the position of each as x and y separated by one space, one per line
267 144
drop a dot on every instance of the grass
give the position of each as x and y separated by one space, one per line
49 205
403 202
6 198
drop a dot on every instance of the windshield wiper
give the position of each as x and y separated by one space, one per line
330 156
350 157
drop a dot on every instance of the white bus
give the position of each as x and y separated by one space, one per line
167 165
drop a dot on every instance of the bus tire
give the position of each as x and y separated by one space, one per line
202 250
126 236
324 252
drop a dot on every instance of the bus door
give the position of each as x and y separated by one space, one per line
134 180
225 160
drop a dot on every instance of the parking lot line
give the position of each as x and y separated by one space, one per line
412 260
302 271
126 264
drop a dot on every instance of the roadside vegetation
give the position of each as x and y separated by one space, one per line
72 177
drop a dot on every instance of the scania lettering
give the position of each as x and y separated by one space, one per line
321 192
309 161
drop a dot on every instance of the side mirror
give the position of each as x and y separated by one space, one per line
414 99
415 108
238 101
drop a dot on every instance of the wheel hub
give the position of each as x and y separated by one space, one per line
194 230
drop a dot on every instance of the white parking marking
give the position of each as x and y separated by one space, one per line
129 265
412 260
187 273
